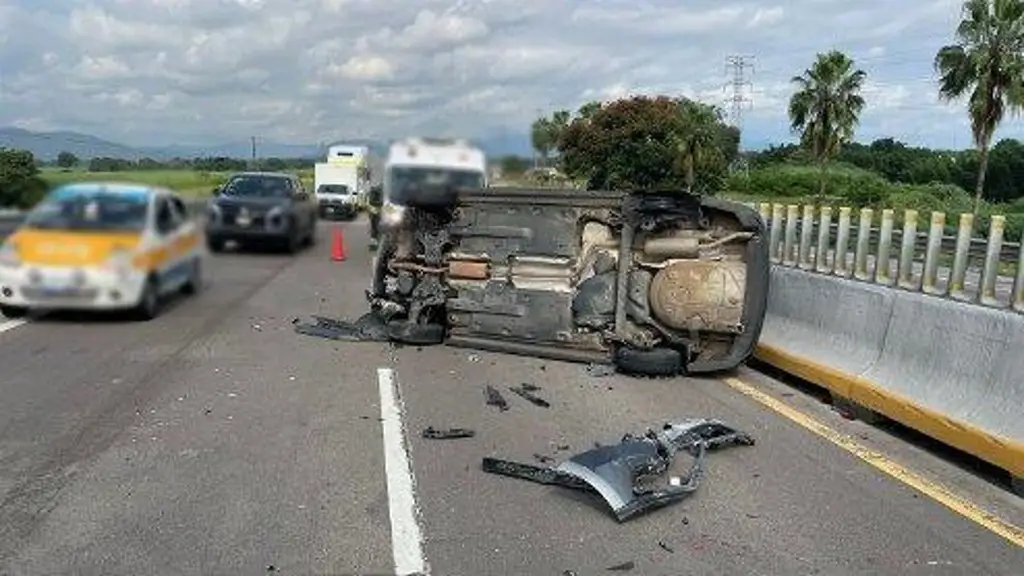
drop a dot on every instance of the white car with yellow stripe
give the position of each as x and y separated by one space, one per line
101 246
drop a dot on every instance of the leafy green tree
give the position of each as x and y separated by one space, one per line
20 184
67 160
540 138
647 143
826 107
986 64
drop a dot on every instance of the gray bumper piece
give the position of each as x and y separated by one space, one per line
618 473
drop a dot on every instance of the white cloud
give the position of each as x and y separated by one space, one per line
163 71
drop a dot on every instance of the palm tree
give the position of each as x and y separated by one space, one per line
987 61
826 107
698 133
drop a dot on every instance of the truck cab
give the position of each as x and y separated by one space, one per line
425 172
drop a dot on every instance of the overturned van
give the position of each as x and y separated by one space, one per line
655 283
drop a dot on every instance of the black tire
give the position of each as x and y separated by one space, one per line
416 334
148 307
658 362
195 278
13 312
214 244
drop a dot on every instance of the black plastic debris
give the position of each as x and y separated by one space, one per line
666 548
624 567
526 391
494 398
620 473
370 327
432 433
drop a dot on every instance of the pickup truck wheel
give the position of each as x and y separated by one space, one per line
654 362
13 312
407 332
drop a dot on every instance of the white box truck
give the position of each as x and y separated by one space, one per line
341 183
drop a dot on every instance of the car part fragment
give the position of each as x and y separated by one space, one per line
432 433
370 327
620 473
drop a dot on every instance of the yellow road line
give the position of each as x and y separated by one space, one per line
934 491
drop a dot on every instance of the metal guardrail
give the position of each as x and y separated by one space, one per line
805 237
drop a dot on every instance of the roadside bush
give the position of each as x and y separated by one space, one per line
20 184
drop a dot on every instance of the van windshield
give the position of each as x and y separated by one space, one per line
406 180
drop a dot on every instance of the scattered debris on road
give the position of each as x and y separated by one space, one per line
666 548
619 473
432 433
526 391
600 370
370 327
624 567
494 398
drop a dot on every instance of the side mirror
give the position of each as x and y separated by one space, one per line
302 196
216 191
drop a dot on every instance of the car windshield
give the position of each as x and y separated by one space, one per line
407 179
90 209
257 187
334 189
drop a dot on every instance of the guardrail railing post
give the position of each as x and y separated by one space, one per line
775 236
840 265
905 275
863 244
1017 298
824 230
883 263
961 257
806 229
931 257
765 210
990 273
792 215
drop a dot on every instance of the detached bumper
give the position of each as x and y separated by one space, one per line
69 288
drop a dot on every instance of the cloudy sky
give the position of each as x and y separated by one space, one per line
154 72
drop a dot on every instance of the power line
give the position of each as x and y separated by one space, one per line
738 65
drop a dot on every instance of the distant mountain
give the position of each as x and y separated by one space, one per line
47 145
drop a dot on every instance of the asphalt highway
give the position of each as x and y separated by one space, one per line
215 440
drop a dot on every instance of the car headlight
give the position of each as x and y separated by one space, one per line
275 217
121 262
9 256
392 214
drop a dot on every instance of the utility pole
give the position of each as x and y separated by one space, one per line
736 67
252 140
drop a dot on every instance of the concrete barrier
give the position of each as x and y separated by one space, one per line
952 371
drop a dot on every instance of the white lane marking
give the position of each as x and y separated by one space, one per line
11 325
406 535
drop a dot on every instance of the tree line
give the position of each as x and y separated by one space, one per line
68 161
663 142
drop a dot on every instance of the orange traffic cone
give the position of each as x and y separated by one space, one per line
338 246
